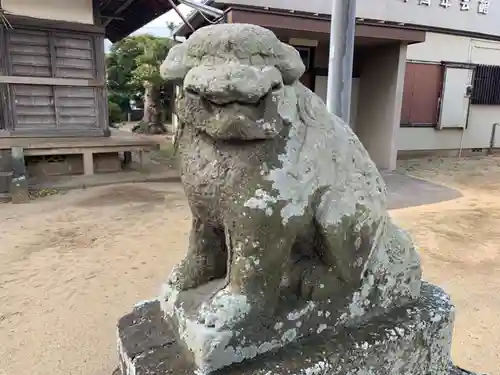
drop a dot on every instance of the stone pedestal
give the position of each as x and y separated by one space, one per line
414 340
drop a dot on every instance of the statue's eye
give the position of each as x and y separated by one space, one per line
277 86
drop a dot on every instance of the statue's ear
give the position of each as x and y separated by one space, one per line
290 64
175 67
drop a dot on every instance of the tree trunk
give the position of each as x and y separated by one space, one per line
152 110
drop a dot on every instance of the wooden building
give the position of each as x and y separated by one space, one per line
53 98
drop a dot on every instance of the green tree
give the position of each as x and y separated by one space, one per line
171 26
133 73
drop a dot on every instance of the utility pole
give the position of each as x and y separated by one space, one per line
341 58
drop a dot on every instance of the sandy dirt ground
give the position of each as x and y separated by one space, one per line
459 243
73 264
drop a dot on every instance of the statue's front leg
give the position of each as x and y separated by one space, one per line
205 259
259 254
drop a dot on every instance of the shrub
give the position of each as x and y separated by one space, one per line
115 113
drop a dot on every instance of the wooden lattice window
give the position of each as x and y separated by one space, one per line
49 107
47 54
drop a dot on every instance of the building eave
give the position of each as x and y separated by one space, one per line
122 17
197 20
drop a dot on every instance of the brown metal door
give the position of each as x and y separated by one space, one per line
422 90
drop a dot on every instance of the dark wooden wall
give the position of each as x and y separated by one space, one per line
52 82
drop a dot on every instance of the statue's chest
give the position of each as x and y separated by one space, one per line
217 182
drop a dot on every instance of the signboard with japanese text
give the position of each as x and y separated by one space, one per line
482 6
477 16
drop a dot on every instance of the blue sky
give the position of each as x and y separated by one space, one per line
159 26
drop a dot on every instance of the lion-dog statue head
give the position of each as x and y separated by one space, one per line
289 211
233 86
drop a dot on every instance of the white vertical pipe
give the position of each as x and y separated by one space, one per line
343 25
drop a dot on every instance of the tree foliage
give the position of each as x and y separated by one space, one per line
153 51
171 26
133 73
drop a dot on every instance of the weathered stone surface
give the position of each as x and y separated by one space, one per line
294 265
290 227
412 340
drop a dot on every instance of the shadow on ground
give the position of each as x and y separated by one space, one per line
404 191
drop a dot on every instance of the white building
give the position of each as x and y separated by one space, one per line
426 72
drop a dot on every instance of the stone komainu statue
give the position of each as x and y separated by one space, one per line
290 233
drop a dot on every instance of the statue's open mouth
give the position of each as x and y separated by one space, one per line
237 122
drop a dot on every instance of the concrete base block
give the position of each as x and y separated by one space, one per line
108 162
19 184
413 340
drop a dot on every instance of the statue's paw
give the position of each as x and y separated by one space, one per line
181 278
176 278
224 310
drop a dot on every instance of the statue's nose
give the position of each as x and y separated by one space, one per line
229 83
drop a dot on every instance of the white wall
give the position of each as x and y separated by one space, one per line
60 10
400 11
445 47
321 90
441 47
477 135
